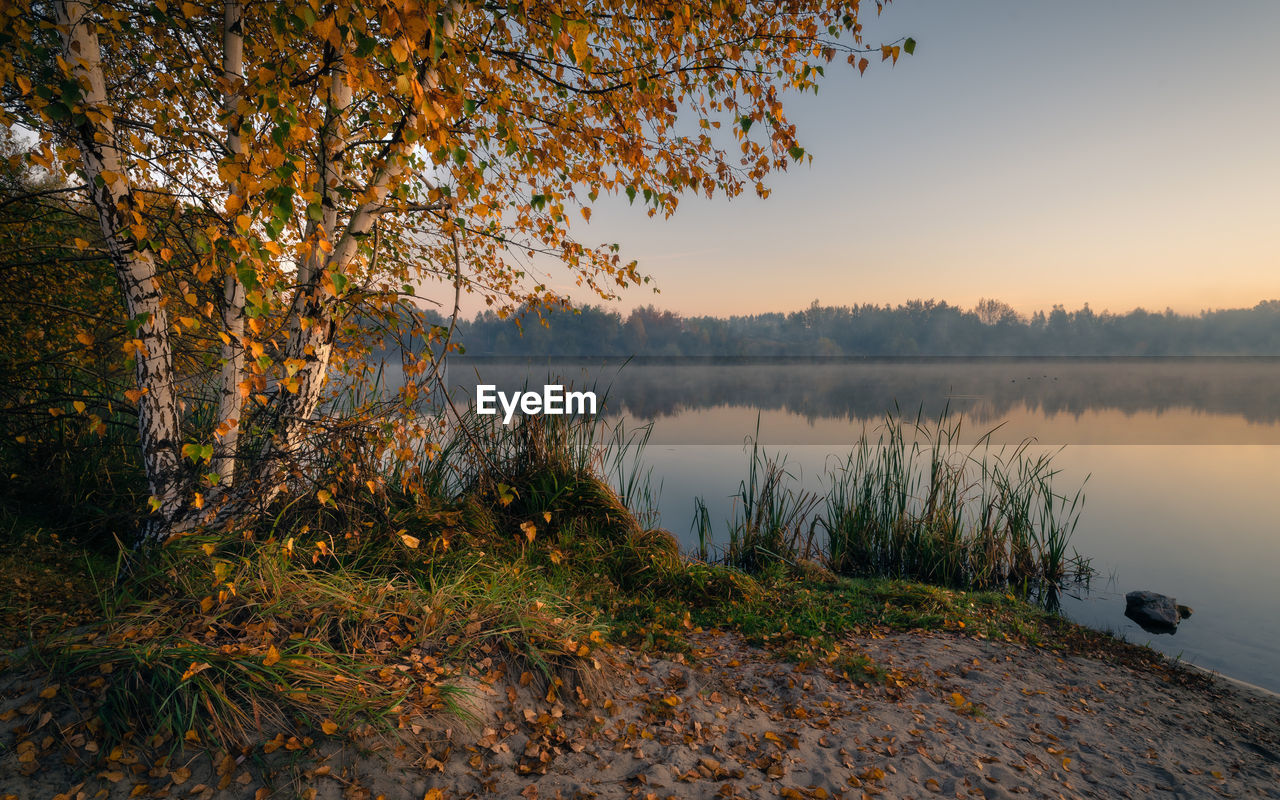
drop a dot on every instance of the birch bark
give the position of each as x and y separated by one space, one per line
117 209
230 398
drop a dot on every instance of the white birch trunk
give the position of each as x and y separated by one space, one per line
313 332
112 197
313 327
230 400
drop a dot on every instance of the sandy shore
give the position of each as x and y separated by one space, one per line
957 717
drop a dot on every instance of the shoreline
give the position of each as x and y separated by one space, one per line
1237 682
953 715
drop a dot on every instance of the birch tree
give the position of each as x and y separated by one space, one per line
263 173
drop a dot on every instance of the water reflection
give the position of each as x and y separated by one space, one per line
1086 401
1177 502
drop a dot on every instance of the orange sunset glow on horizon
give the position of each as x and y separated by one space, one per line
1117 155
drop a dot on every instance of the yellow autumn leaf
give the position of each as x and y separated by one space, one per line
81 244
84 339
195 669
273 657
79 406
410 542
329 727
323 28
581 48
530 530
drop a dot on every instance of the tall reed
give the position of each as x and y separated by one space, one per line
474 453
771 520
917 504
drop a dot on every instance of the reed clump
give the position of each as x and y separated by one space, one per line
915 503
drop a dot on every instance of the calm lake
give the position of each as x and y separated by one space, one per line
1181 456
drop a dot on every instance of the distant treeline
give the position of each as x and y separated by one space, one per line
915 328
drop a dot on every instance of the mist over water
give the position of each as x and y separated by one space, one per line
1180 457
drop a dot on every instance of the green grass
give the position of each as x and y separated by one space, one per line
804 619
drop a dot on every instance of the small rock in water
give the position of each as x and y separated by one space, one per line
1184 611
1156 613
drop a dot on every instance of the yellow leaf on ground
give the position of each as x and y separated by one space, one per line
273 656
329 727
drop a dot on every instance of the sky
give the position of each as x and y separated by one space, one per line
1118 153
